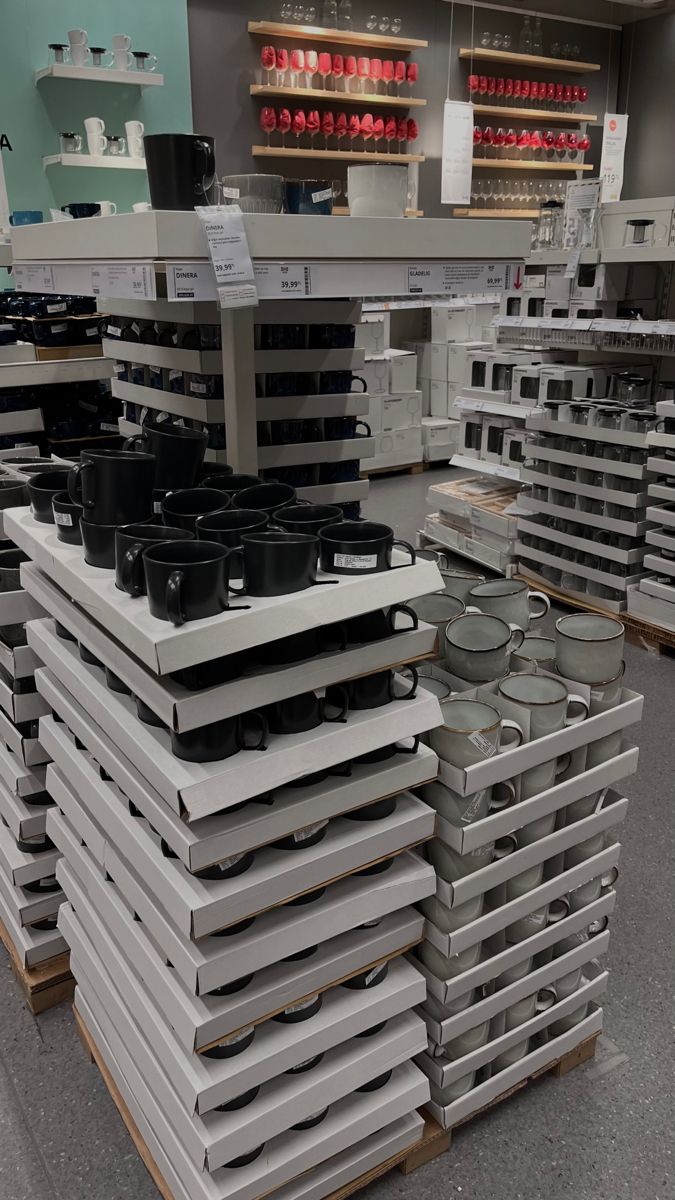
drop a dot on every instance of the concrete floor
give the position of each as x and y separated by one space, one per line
602 1133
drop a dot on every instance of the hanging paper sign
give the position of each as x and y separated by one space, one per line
613 150
456 163
230 255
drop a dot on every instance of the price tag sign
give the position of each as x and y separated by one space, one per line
190 281
611 163
230 256
37 277
274 280
573 263
429 279
123 281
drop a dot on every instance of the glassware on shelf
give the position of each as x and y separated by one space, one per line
639 232
548 231
525 38
412 75
298 13
537 37
58 53
383 24
399 74
281 65
508 41
268 60
313 125
71 143
311 66
329 14
310 15
555 50
345 20
325 67
371 23
497 41
363 71
376 73
116 146
285 12
486 38
396 24
387 74
297 65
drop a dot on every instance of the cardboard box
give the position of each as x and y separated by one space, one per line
17 778
27 907
165 648
199 1022
632 528
275 934
201 907
181 709
611 495
372 412
425 386
402 371
401 411
24 820
205 788
440 438
423 352
18 606
450 362
291 1156
558 286
25 747
651 608
398 447
19 866
376 373
449 323
493 429
21 707
19 661
373 333
32 946
601 281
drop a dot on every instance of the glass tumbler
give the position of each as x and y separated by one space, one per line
639 232
71 143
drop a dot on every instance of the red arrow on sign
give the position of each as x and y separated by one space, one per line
518 283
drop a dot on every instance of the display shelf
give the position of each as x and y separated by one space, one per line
315 452
343 211
5 254
539 115
300 93
436 533
18 352
193 408
485 54
300 408
510 214
373 156
465 404
141 79
57 370
618 582
339 37
309 361
589 545
608 495
514 164
480 467
199 362
560 258
576 516
116 161
586 433
335 493
638 254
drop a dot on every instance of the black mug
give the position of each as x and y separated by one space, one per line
373 691
299 714
220 739
42 487
232 484
179 452
374 626
13 493
208 469
116 486
183 508
78 211
130 542
383 753
276 564
307 518
229 525
187 581
266 497
181 170
67 519
359 548
99 544
213 673
298 647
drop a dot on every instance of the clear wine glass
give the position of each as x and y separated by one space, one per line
475 192
310 15
371 23
486 38
497 41
507 42
286 12
396 24
299 13
488 192
384 24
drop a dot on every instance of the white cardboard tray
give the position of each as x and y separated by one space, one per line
33 946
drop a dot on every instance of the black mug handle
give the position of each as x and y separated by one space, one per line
341 639
409 548
172 598
263 731
413 689
129 569
413 749
360 379
130 443
341 703
236 550
406 611
341 770
206 152
73 477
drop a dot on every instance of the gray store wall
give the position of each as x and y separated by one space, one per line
647 93
220 90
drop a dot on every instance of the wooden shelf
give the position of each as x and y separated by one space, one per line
336 98
340 37
118 161
141 79
542 116
336 155
409 212
529 60
514 164
529 214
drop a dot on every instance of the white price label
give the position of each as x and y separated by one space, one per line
506 472
63 518
227 242
38 277
302 835
325 194
666 328
301 1005
459 278
190 281
283 279
231 193
373 975
57 308
356 562
238 295
573 263
486 748
124 281
197 388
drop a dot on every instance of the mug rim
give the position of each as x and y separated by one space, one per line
470 700
516 590
231 512
164 427
214 552
483 649
531 675
279 537
121 455
576 638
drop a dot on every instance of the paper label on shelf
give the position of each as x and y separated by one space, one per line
372 975
607 325
63 518
60 327
666 328
57 215
238 295
580 197
573 261
325 194
457 152
223 226
36 277
611 163
234 1038
302 835
232 193
301 1005
56 308
283 279
198 389
459 278
190 281
108 427
124 281
91 330
483 744
507 472
359 562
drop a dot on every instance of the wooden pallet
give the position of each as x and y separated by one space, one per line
45 985
638 632
416 468
558 1068
434 1140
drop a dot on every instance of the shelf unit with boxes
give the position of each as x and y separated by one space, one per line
653 599
144 260
224 900
475 518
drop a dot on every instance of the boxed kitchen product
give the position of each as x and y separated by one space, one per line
558 287
373 333
449 323
514 444
423 352
492 439
449 362
375 371
400 411
425 387
402 371
440 438
601 281
398 447
372 415
471 435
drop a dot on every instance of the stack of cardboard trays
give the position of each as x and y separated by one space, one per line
475 517
394 411
518 924
30 895
238 928
653 597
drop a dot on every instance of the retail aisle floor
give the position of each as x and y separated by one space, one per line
602 1133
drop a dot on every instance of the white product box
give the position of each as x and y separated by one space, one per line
449 362
423 352
21 707
492 437
441 397
24 745
27 907
613 217
602 281
288 1157
453 324
489 372
274 935
556 308
471 434
182 709
18 606
514 446
372 412
21 867
373 333
525 385
401 411
202 1021
24 820
205 788
579 309
425 386
18 661
165 648
376 372
398 447
440 438
648 607
31 946
201 907
402 371
565 382
17 778
558 285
